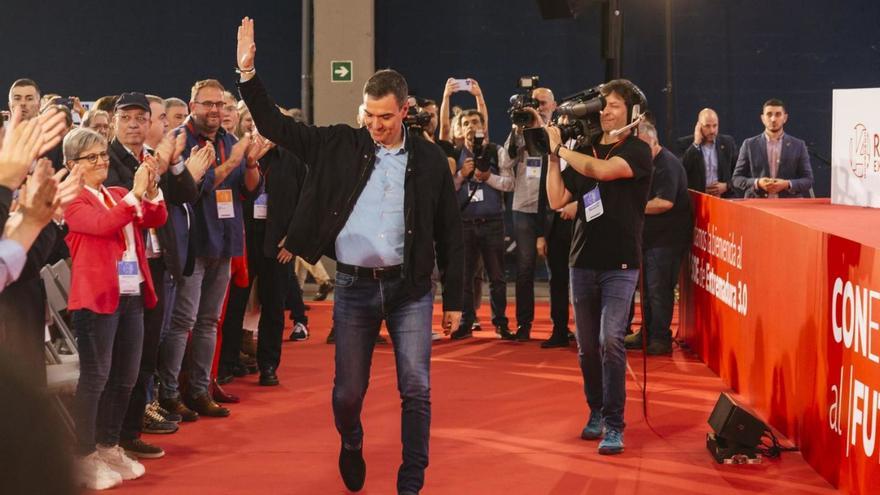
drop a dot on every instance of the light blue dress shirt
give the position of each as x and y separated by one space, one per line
373 236
12 259
710 157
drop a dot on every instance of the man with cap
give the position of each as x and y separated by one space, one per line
131 123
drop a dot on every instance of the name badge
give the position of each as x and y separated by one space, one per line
477 194
224 203
154 241
129 278
260 206
593 204
533 167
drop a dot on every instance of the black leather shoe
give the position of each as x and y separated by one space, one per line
268 378
523 333
463 332
555 340
504 332
352 468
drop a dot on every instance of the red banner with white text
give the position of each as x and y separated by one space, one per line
789 317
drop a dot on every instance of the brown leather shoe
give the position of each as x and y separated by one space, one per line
205 406
221 395
177 407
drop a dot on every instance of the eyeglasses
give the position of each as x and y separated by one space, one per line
211 104
93 157
140 119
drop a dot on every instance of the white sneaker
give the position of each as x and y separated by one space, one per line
116 460
94 474
300 332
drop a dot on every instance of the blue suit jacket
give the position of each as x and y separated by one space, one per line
794 165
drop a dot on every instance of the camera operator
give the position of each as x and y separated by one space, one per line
611 178
480 180
528 211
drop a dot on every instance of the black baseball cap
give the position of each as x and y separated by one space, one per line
133 100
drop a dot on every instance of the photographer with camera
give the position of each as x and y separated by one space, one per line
611 177
531 108
480 180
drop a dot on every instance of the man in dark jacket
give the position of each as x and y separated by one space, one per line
710 159
379 202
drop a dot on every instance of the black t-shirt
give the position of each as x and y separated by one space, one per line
673 227
612 241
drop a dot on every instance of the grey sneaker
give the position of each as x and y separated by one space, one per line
612 443
594 427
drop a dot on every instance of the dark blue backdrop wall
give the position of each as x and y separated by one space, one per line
101 47
731 55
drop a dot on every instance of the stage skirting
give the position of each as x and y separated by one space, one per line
782 299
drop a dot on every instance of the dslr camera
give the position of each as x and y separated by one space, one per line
416 117
522 99
582 110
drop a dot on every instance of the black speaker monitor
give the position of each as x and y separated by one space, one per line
732 422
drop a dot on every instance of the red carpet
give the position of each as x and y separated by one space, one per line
506 420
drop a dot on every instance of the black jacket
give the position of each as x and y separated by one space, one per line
284 175
340 160
176 189
695 166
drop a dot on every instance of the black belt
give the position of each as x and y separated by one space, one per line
480 220
377 273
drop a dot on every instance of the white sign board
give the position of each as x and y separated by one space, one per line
855 147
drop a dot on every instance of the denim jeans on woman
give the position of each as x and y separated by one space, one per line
110 355
361 304
601 300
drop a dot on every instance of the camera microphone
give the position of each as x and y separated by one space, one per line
635 122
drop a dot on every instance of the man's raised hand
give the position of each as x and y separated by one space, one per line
247 49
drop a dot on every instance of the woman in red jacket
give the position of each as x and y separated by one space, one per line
110 287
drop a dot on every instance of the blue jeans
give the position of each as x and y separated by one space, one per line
197 307
601 300
661 265
361 304
109 359
525 230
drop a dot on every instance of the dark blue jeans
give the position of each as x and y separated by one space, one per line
601 300
525 231
661 265
361 304
110 355
486 239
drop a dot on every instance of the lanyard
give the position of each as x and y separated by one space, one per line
202 140
609 151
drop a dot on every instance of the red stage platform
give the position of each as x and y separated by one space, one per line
782 300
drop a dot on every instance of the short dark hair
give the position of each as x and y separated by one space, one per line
385 82
427 102
106 103
468 113
624 88
25 82
774 102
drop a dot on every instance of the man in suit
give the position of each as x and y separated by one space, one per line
709 161
773 164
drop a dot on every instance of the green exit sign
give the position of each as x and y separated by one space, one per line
340 70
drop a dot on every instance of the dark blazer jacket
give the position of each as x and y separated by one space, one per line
177 189
695 165
794 165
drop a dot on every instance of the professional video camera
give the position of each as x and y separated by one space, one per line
522 99
582 110
416 117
